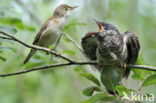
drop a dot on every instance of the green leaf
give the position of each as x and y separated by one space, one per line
138 74
2 58
69 52
110 78
91 78
150 80
74 24
51 47
99 97
120 89
79 69
16 22
9 21
89 91
25 27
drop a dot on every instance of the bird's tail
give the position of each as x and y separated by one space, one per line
31 53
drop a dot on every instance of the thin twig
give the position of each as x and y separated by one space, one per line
57 42
81 50
5 38
145 67
33 69
75 43
74 63
45 67
37 47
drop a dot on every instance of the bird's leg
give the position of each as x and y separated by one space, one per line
58 54
50 50
57 42
123 66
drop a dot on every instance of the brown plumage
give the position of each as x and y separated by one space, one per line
51 29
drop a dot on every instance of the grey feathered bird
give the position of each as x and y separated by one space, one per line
111 49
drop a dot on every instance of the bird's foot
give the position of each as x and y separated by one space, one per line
50 50
123 66
57 54
54 51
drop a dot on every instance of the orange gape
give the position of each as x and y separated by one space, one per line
100 27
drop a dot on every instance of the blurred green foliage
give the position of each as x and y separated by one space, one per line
99 97
23 19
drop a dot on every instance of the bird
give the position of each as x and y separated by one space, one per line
111 49
51 29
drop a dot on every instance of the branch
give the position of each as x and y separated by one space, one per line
5 38
57 42
35 47
145 67
47 67
70 62
75 43
81 50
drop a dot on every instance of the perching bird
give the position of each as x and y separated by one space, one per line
51 29
111 49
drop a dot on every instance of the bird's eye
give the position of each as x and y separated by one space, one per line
66 9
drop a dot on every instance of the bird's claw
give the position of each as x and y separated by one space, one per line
123 66
58 54
49 51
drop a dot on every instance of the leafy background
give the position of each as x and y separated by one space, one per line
23 18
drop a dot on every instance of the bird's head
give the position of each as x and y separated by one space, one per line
63 10
101 31
106 29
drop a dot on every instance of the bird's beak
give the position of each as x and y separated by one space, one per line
99 25
73 7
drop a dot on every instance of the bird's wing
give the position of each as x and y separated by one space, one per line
133 48
90 40
89 44
45 25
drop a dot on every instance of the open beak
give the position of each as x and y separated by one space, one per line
99 25
73 7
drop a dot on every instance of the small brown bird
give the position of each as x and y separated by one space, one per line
51 29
